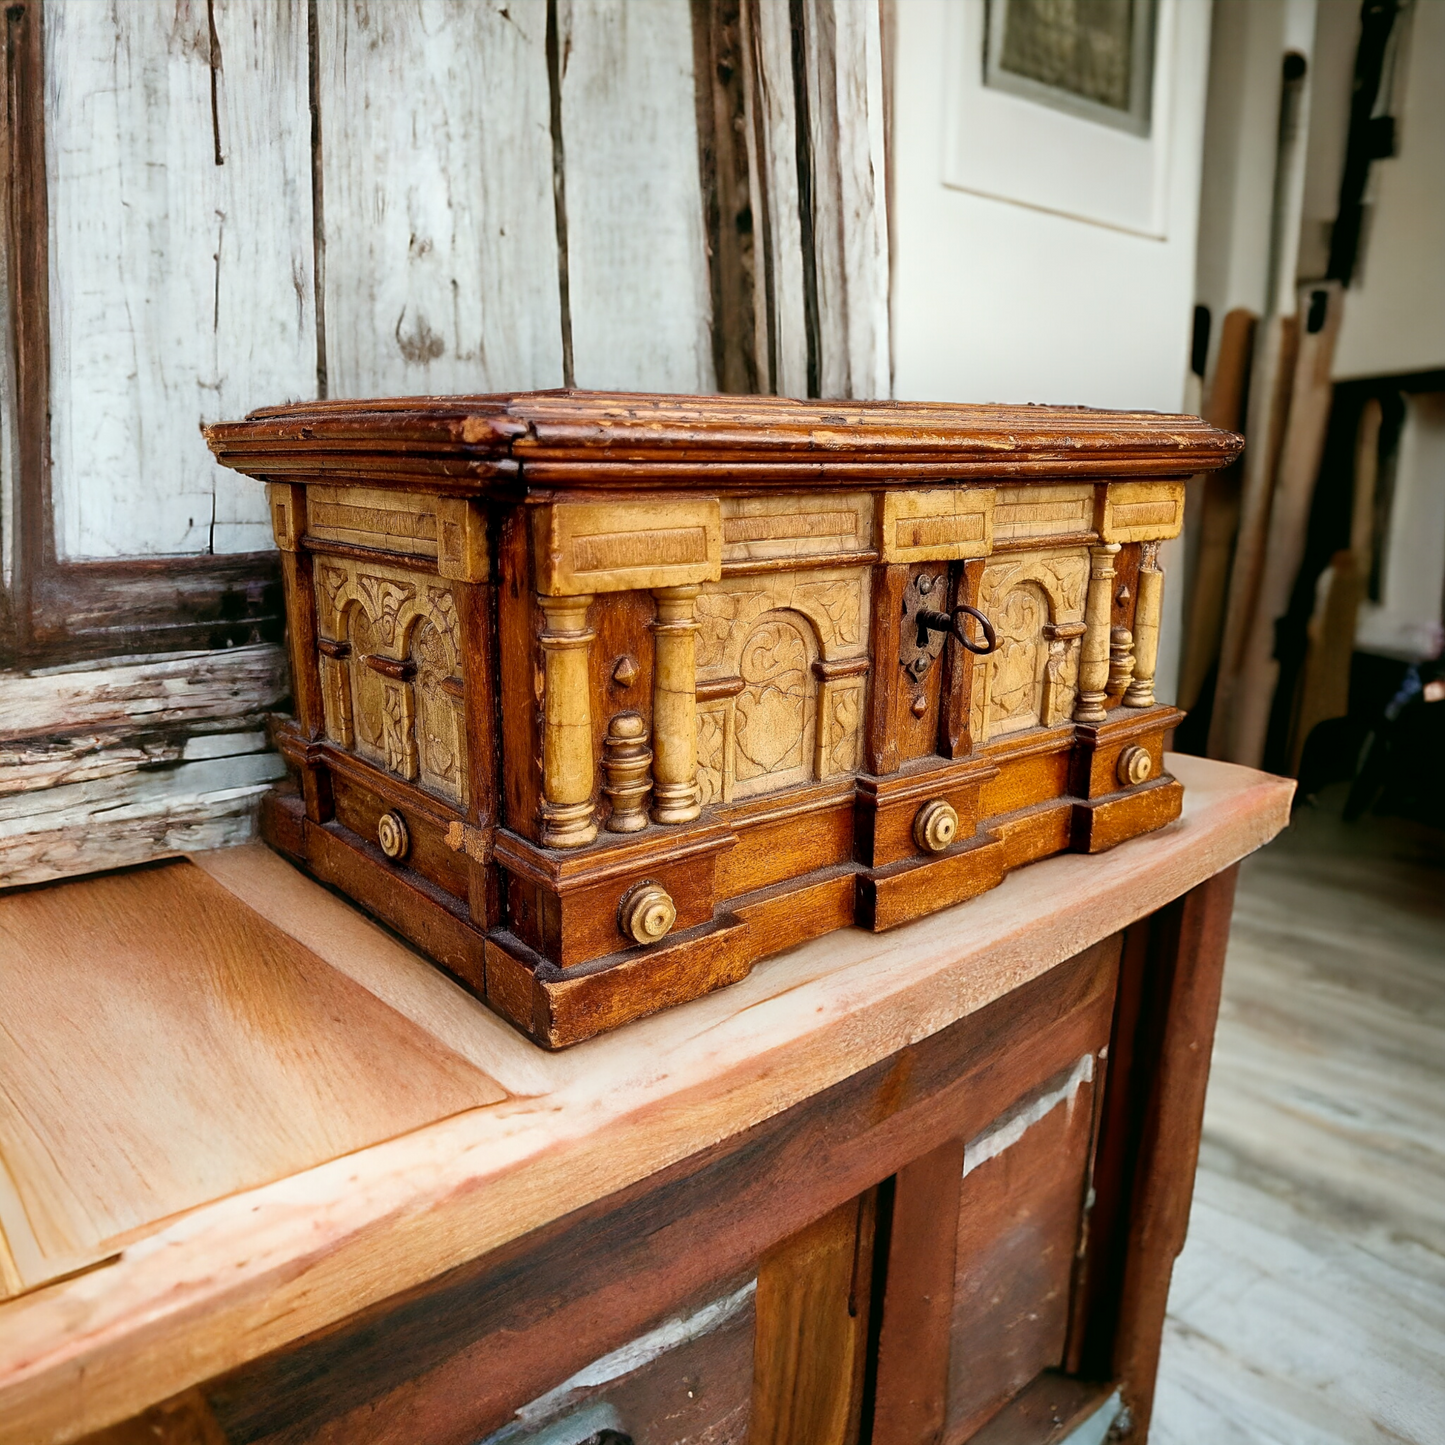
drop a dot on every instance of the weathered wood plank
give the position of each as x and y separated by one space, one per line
30 765
102 766
771 105
172 689
436 158
115 821
636 254
178 169
850 218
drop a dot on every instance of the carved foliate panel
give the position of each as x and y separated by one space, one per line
440 726
840 728
402 709
713 751
835 601
783 723
776 712
1031 680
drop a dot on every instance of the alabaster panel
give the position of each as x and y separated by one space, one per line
790 528
1036 600
764 643
1025 513
392 671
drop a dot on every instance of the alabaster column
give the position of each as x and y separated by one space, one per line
1094 656
675 794
567 764
1149 599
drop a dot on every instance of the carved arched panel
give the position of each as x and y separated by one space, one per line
1031 679
775 714
368 688
440 724
1016 692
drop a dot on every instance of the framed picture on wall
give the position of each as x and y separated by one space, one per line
1064 107
1093 58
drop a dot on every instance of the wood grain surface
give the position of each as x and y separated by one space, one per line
245 1275
166 1046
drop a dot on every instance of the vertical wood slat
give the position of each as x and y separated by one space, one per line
719 65
1171 972
911 1396
771 109
180 288
819 198
636 252
811 1330
436 160
26 526
850 246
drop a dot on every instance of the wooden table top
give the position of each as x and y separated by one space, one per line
243 1111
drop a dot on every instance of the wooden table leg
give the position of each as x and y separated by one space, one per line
1168 999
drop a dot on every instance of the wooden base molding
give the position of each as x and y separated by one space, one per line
564 967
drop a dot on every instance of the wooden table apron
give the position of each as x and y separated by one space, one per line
842 1197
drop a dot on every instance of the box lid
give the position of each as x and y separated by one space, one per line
502 445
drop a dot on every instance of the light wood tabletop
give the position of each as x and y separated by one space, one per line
242 1111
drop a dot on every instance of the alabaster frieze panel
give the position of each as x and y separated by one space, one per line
1036 603
1027 513
790 529
781 670
391 671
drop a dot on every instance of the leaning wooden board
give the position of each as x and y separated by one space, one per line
191 1297
603 697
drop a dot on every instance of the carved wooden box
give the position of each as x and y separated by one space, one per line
602 698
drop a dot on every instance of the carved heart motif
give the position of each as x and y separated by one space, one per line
770 729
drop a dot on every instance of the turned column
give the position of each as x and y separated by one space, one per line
567 762
1094 659
675 794
1147 604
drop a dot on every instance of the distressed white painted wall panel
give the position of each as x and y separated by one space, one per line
850 207
772 115
180 289
440 234
637 257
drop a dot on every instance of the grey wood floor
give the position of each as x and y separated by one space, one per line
1308 1307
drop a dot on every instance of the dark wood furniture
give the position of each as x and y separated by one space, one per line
602 698
921 1186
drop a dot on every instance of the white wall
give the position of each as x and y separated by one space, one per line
1406 622
999 301
1394 319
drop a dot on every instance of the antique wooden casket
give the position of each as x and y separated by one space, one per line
602 698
